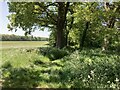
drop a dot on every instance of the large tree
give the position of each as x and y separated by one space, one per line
38 15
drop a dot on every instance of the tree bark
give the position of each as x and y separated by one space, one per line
62 12
84 35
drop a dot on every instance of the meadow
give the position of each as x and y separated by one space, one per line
22 44
24 55
83 50
35 64
16 51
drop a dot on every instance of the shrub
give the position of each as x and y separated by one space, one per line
92 69
53 53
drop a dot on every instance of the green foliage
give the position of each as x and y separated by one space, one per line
52 40
103 21
31 16
92 69
89 68
53 53
98 29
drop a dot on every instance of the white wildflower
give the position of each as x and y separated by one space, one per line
117 80
91 72
88 76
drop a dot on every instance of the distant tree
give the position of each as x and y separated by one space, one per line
5 37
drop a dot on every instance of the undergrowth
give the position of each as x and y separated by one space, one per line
89 68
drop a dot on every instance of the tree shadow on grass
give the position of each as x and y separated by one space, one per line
30 77
52 53
20 77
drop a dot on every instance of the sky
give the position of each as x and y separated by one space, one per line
4 12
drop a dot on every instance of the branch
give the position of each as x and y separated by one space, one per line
47 26
50 16
52 4
46 10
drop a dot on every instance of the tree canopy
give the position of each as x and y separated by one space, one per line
92 24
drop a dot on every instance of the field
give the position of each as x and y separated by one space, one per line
21 44
25 55
35 64
15 51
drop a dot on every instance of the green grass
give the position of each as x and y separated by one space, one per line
20 56
16 61
27 67
22 44
16 51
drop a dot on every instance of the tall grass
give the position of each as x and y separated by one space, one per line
89 68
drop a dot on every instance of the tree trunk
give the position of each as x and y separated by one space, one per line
84 35
60 26
66 38
62 11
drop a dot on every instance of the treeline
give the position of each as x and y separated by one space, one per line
6 37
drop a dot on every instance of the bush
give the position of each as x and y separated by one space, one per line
92 69
53 53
